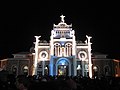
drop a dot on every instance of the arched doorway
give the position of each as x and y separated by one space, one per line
63 67
25 70
106 70
96 71
14 70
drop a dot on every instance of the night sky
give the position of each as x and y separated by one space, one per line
22 21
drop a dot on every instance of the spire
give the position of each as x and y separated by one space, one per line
62 18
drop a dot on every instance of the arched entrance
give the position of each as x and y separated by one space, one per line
25 70
96 71
63 67
106 70
14 70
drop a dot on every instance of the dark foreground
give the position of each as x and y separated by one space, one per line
23 82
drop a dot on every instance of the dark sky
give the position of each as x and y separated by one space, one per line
21 21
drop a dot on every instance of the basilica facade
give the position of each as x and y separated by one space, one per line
63 55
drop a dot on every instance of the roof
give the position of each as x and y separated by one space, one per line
98 53
23 53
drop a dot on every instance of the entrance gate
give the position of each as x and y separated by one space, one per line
63 67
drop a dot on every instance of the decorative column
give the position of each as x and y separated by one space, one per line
67 50
61 51
52 52
83 67
51 44
74 45
36 55
74 53
89 54
64 51
43 67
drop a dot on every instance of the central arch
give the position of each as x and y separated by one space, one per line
63 67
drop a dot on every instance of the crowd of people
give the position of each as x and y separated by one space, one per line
24 82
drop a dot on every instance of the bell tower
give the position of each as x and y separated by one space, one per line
63 44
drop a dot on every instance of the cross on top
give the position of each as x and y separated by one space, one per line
62 18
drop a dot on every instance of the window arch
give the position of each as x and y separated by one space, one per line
68 49
57 49
62 62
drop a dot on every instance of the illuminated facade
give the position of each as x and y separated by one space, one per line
63 55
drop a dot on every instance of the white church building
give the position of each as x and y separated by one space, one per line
63 55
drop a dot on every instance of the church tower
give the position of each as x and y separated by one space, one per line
62 49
